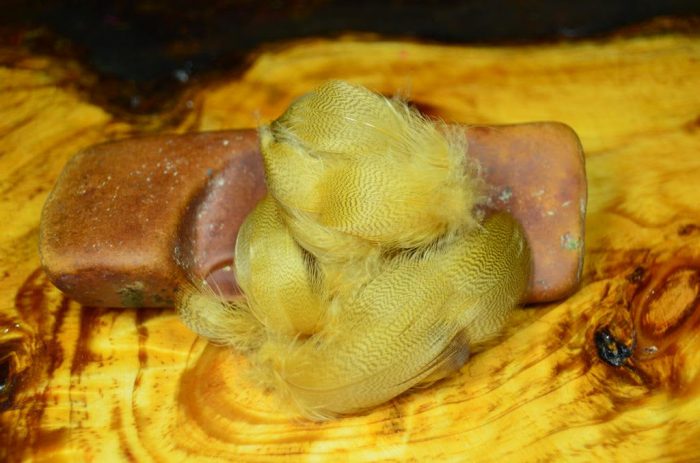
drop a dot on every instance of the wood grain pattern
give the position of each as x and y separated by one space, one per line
98 384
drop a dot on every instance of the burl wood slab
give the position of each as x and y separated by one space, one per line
129 222
611 373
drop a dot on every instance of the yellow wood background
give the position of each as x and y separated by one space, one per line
95 384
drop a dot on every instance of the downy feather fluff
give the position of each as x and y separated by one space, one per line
365 270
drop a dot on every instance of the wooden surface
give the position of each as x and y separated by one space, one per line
96 384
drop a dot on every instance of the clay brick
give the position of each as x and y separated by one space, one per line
128 221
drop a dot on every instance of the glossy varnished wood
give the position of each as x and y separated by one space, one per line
97 384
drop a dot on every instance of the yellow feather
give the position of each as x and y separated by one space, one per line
277 275
223 322
367 167
400 329
365 270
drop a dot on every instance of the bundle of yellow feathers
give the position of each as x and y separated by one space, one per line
365 271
